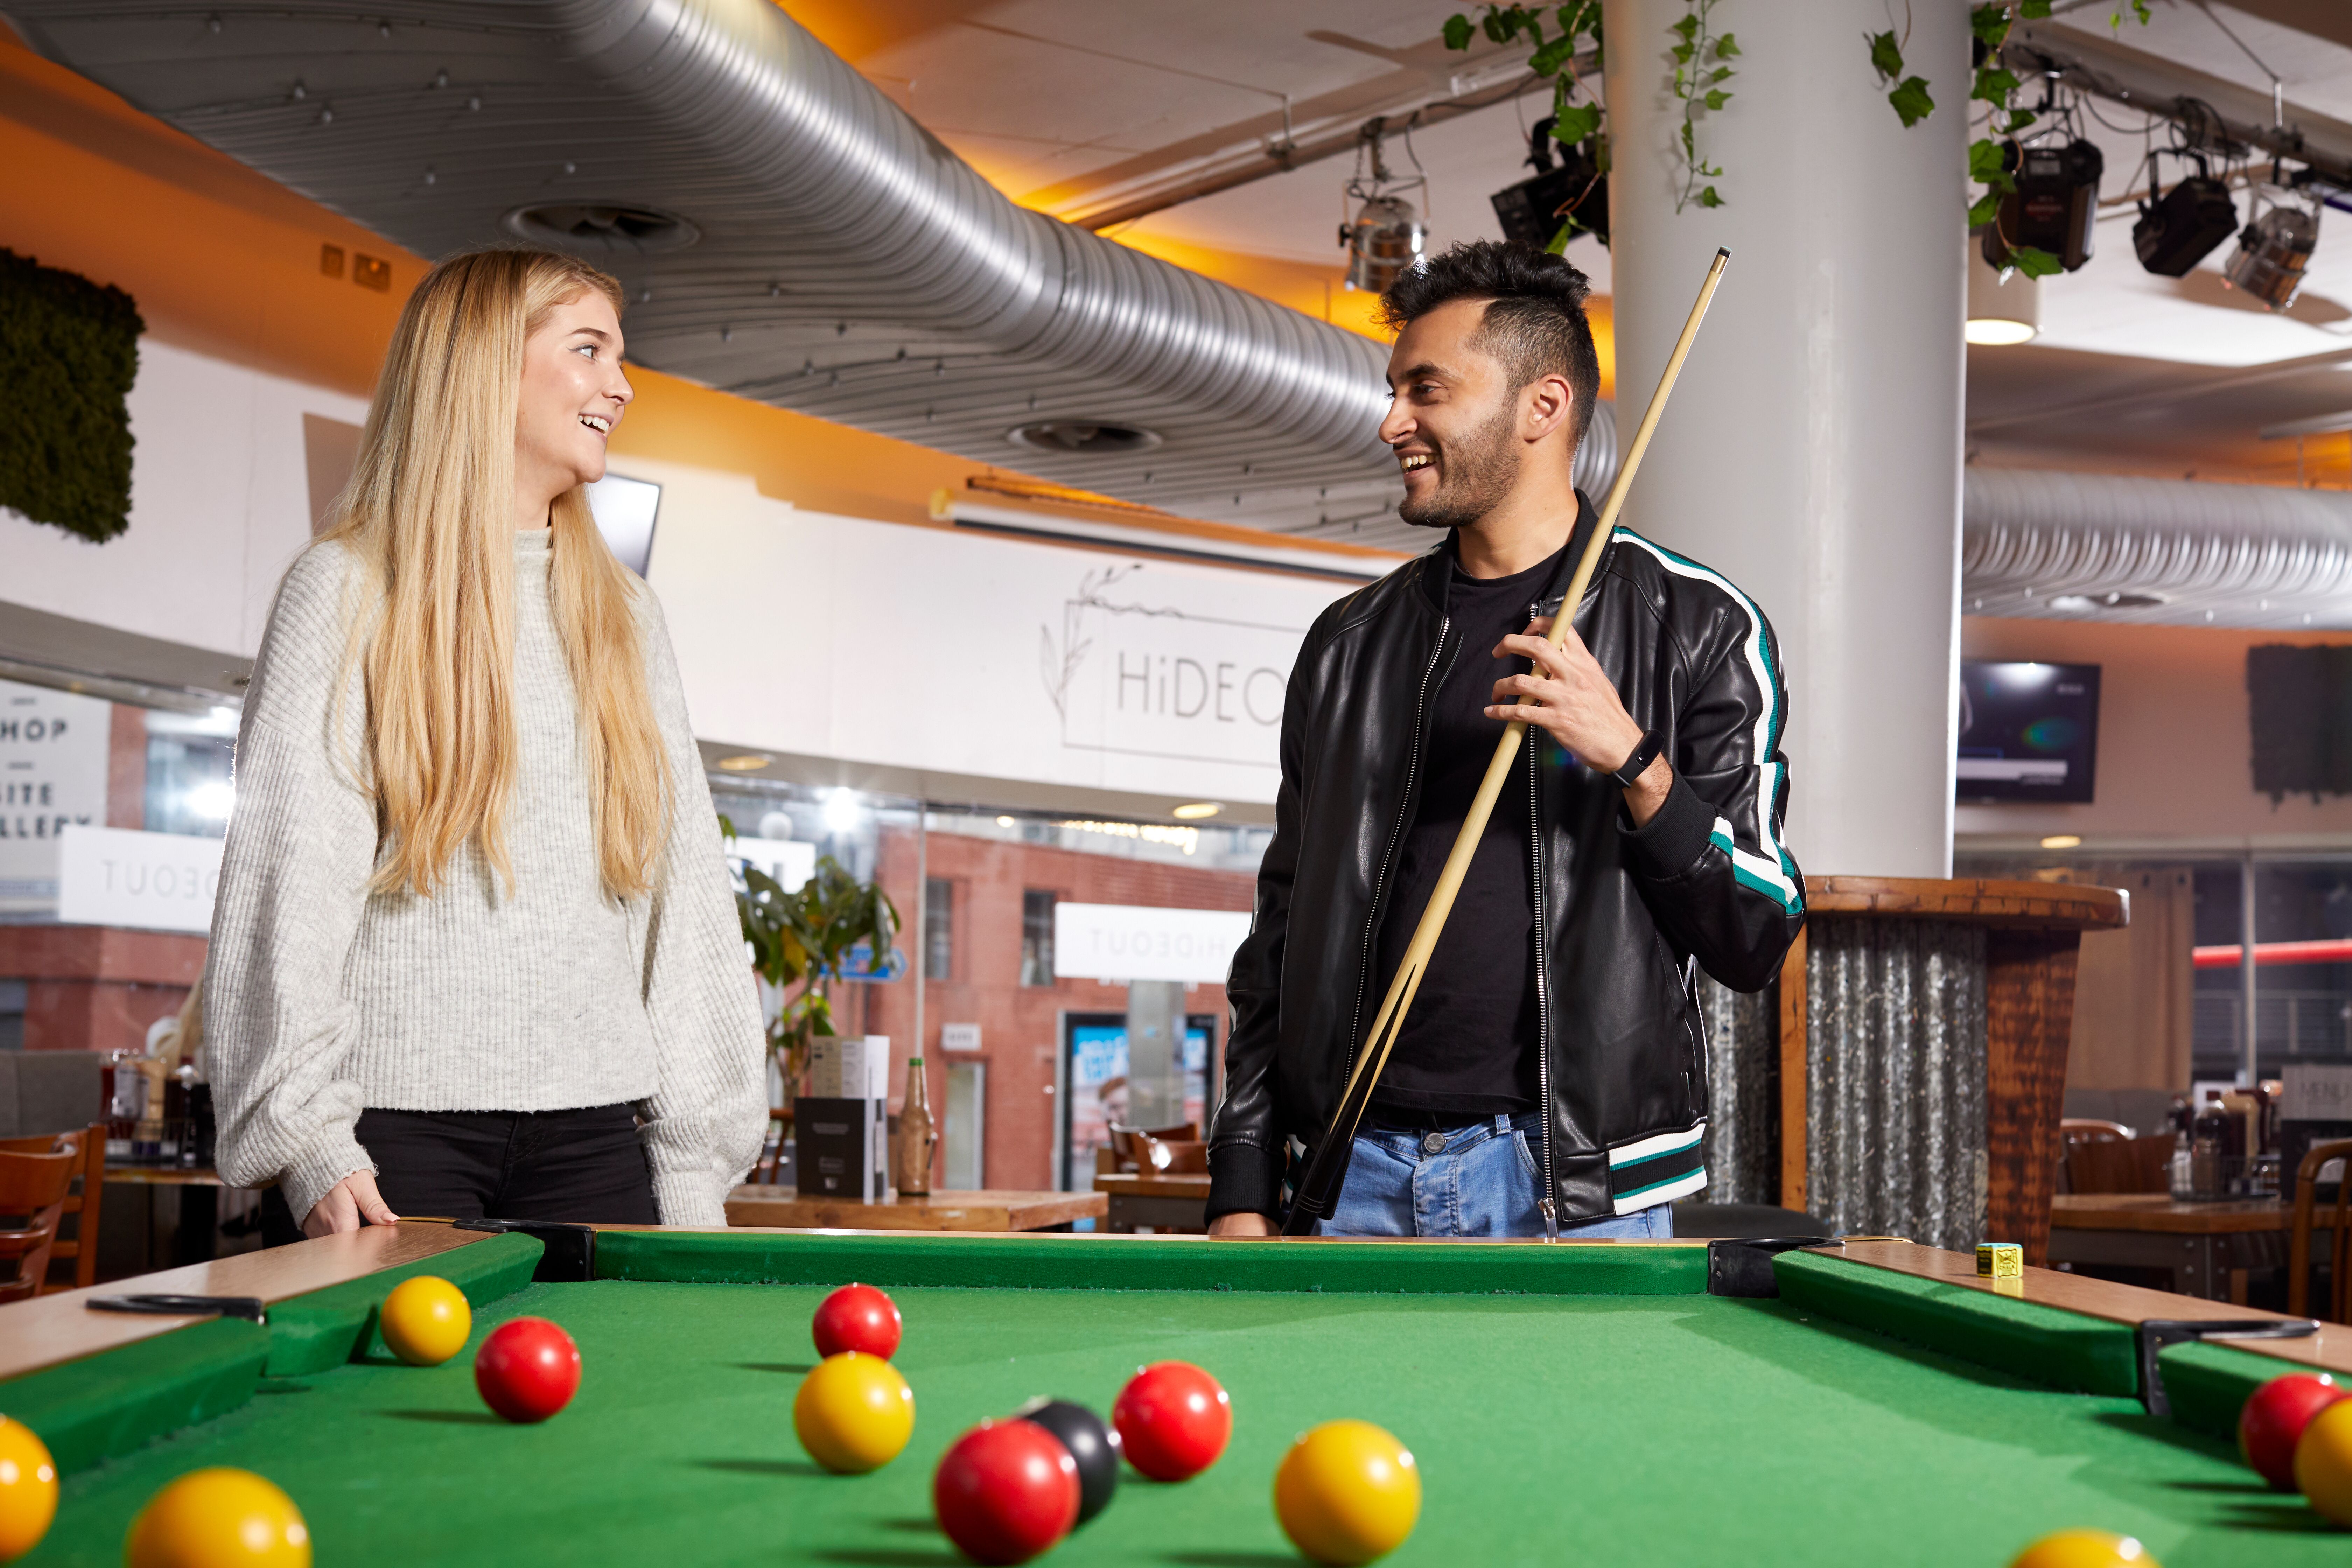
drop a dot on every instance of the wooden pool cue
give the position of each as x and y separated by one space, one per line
1318 1189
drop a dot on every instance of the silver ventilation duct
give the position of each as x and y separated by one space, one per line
785 231
2064 546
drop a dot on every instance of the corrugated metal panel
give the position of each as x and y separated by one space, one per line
1895 1093
1743 1081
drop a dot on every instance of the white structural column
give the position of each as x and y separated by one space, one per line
1812 451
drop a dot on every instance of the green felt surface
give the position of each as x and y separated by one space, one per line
1583 1429
323 1328
92 1409
2210 1385
2047 1344
1142 1263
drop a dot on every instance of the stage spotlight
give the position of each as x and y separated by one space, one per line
2275 247
2053 208
1531 211
2179 228
1385 237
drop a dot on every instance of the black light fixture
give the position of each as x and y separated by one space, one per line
1573 188
2180 227
2053 206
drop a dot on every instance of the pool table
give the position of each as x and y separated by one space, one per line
1588 1404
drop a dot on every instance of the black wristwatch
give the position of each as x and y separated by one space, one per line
1644 753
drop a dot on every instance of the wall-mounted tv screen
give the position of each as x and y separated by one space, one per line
625 511
2028 731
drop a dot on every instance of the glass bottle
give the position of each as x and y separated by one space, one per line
915 1134
2205 1148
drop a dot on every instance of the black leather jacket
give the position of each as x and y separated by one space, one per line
1622 914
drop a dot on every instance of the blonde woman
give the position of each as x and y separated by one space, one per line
475 954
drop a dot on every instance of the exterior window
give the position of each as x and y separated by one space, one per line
938 929
1037 937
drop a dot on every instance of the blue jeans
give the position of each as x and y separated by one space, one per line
1482 1179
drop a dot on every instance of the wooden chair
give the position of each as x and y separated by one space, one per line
2339 1225
80 1247
33 1189
1151 1148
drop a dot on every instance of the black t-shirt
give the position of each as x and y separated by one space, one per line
1468 1045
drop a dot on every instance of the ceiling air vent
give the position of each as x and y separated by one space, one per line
602 228
1091 437
2120 600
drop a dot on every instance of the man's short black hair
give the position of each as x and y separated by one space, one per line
1535 321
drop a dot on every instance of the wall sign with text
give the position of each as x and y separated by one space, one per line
53 750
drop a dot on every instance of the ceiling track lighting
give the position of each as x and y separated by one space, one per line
1385 238
1532 211
2282 231
2181 226
2053 206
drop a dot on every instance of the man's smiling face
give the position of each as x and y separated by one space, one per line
1454 423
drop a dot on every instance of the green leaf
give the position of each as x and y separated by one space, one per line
1685 27
2019 118
1547 60
1885 55
1911 101
1994 84
1717 99
1725 48
2035 263
1708 198
1558 244
2033 10
1984 159
1982 213
1990 24
1459 31
1720 73
1575 124
1682 53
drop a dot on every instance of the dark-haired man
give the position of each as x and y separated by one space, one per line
1551 1078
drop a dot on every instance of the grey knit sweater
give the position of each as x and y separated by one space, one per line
322 998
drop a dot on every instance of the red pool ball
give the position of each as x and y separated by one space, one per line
1006 1491
1173 1420
528 1369
2274 1419
856 1317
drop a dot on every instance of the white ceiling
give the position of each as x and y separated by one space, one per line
1070 104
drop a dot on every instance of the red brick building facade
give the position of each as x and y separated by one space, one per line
1020 1025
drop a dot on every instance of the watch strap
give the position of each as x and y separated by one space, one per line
1644 753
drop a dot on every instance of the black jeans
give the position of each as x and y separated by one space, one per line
585 1167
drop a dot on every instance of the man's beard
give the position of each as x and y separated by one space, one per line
1473 474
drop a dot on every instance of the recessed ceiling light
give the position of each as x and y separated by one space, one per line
2063 841
1994 332
1195 810
746 764
1004 821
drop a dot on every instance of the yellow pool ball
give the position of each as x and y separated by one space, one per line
1347 1492
2083 1548
425 1321
2323 1461
854 1413
218 1519
28 1490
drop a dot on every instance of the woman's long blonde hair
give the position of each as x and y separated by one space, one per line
428 513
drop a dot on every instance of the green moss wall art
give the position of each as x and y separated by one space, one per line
68 352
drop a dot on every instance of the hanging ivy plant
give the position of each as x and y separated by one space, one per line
1699 75
1576 110
68 352
1992 157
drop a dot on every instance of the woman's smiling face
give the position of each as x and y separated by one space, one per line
571 396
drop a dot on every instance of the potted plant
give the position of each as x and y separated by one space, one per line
806 939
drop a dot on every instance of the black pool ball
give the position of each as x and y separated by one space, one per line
1091 1443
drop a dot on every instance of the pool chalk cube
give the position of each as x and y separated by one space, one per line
1999 1260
